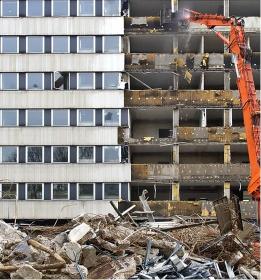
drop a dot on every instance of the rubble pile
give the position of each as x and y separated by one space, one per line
102 247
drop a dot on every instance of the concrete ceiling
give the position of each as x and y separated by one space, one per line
157 114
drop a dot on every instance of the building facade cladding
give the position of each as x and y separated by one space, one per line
62 104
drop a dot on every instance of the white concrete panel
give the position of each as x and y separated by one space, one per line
62 99
62 26
52 209
59 136
48 172
61 62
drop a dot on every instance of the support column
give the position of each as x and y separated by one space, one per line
227 189
226 81
175 123
227 153
227 119
226 8
202 81
175 154
175 191
175 81
203 118
175 45
202 48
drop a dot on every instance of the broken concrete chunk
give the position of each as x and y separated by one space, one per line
71 251
7 232
28 272
61 238
76 272
79 232
89 258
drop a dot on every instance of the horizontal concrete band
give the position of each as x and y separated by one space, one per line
61 62
62 26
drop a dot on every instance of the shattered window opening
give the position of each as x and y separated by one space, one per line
9 154
9 81
9 117
34 154
60 191
60 154
86 154
86 117
111 117
111 191
86 191
34 191
9 191
34 117
61 80
111 154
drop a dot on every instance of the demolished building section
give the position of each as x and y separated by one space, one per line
187 139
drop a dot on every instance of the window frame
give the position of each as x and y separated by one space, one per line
103 190
103 14
1 154
103 117
68 44
26 118
43 7
26 81
17 43
94 154
32 162
68 118
119 80
1 118
78 44
17 81
68 150
78 116
43 44
68 9
68 194
78 191
103 44
78 9
119 154
1 191
17 9
26 192
78 81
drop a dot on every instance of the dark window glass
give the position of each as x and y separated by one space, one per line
60 191
9 154
85 191
60 154
8 191
111 117
34 154
34 191
111 191
86 154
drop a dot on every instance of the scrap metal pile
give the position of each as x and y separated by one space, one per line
105 247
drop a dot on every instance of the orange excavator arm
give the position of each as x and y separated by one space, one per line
236 43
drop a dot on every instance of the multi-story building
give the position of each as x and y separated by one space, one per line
82 123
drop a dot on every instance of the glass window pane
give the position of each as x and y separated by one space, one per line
111 80
60 8
34 191
34 154
60 191
8 191
111 191
85 81
9 81
34 8
111 154
9 44
86 7
60 117
111 44
34 117
9 154
111 8
35 81
35 44
60 44
60 154
111 117
9 8
85 191
86 154
86 44
85 117
9 117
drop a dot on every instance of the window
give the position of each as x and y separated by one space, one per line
9 8
34 117
111 44
86 154
34 154
60 191
86 44
111 191
60 117
34 81
86 7
60 154
9 118
9 154
9 44
34 191
60 44
9 191
85 191
34 8
60 8
9 81
111 7
85 80
111 80
111 154
35 44
86 117
61 80
111 117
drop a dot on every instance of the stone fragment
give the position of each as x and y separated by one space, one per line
71 251
89 258
61 238
28 272
79 232
8 232
74 273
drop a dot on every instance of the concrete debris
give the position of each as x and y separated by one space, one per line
108 247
